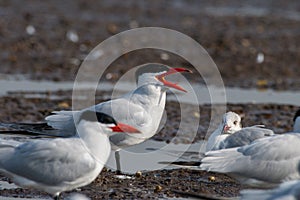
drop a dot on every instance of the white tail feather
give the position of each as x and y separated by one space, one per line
219 161
62 120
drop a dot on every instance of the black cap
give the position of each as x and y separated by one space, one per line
92 116
150 68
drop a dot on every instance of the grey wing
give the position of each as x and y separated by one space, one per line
245 137
9 143
50 162
272 159
33 129
287 190
125 111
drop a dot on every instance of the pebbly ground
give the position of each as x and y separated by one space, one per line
151 184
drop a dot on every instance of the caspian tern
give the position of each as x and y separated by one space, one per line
266 162
230 133
63 164
142 108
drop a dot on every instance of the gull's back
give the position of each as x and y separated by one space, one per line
270 160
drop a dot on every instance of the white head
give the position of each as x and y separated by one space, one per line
231 123
156 73
297 122
94 129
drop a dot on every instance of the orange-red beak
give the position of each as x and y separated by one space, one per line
162 79
120 127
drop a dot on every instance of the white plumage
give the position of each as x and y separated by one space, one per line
61 164
230 133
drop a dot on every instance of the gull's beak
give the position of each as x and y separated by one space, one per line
162 79
225 128
120 127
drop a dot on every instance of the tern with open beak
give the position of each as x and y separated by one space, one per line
142 108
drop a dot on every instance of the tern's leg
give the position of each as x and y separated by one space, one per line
118 163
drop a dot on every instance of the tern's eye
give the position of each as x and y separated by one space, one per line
235 122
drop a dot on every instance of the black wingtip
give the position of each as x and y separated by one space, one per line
103 118
181 163
296 115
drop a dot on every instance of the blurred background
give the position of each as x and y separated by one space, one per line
255 44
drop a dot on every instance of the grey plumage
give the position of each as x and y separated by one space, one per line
36 160
265 162
62 164
245 136
286 191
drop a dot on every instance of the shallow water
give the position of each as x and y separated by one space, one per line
197 93
150 154
6 185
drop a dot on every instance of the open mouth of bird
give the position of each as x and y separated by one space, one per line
162 79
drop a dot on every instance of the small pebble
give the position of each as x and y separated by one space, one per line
112 28
94 55
109 76
72 36
262 83
138 174
30 30
260 58
158 188
164 56
63 105
104 169
212 178
197 114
